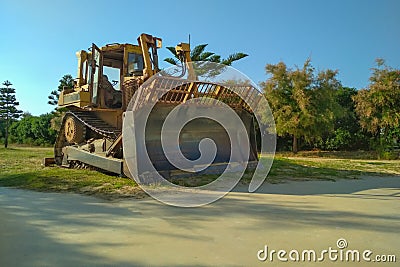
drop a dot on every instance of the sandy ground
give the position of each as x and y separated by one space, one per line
52 229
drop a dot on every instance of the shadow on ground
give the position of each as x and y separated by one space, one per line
52 229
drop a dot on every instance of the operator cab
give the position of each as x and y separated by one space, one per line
135 64
104 72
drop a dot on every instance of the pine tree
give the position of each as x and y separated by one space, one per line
66 81
8 110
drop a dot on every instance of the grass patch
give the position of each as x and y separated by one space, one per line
194 181
306 166
368 155
21 167
328 167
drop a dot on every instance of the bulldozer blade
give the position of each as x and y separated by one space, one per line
99 161
149 156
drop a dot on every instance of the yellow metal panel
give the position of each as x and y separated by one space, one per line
78 99
133 49
84 96
112 47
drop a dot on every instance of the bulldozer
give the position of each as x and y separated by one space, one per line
91 129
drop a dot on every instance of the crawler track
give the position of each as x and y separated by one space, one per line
89 120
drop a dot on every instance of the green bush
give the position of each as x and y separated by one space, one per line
389 155
33 130
341 139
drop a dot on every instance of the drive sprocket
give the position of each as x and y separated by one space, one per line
74 130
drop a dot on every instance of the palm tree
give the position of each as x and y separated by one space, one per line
198 53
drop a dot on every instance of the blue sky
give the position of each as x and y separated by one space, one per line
39 38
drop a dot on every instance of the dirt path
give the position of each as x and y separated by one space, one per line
52 229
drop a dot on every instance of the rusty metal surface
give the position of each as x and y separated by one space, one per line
48 161
189 139
170 90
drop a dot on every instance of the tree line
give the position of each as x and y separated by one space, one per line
24 128
312 109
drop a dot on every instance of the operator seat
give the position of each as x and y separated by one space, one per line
111 98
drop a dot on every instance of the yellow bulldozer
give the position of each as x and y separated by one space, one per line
91 130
